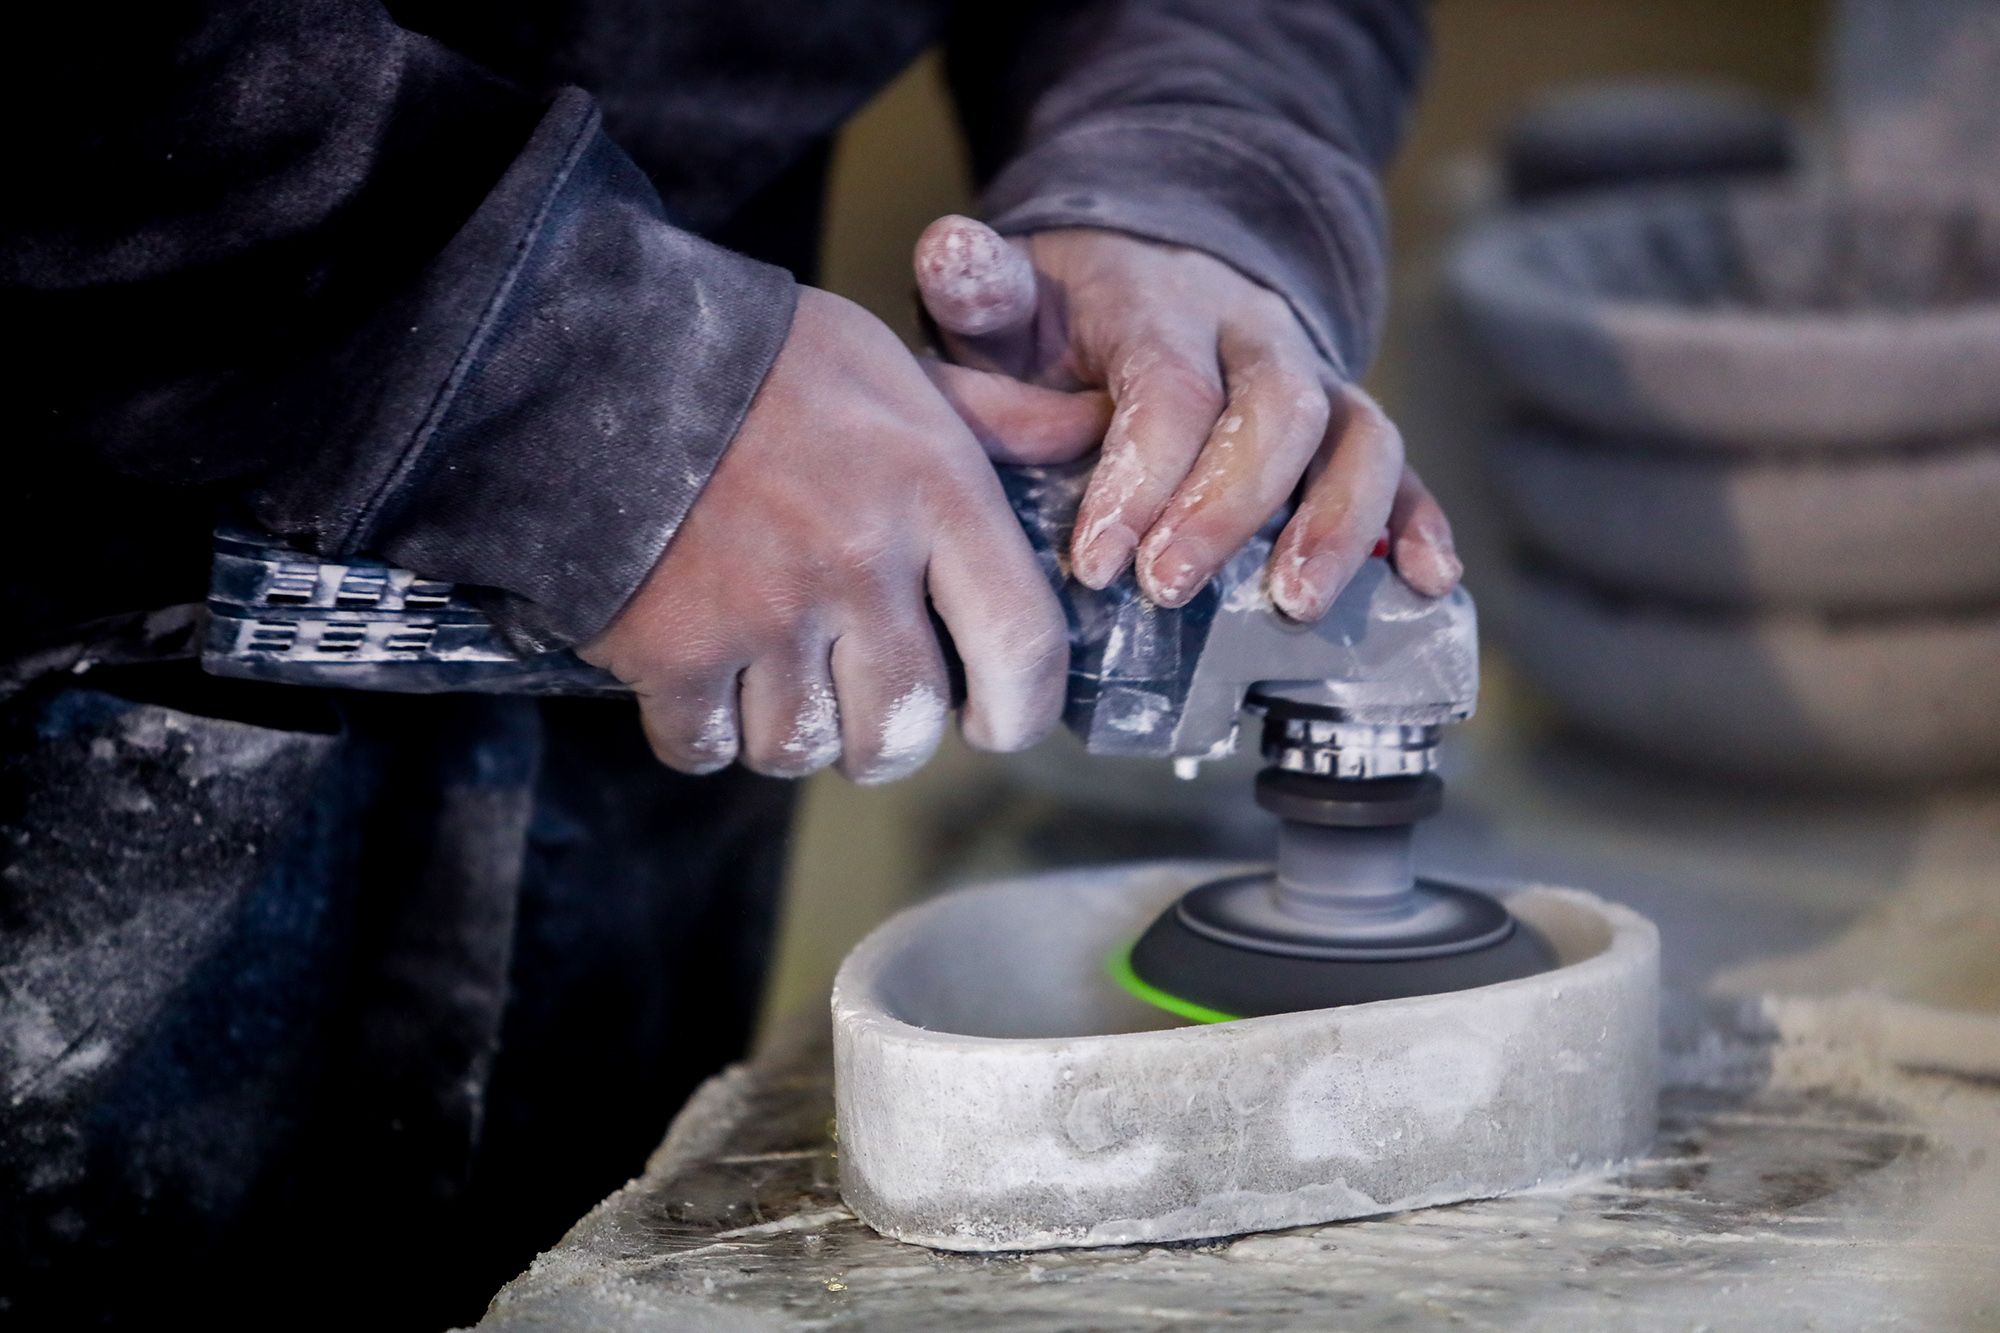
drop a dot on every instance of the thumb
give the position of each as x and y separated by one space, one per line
1022 423
979 288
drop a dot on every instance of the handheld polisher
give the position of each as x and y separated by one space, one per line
1352 710
1342 917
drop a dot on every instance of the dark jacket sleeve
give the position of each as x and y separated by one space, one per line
1254 130
395 304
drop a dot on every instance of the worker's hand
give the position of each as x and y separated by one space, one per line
1222 407
787 624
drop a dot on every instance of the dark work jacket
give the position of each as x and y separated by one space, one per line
429 280
351 1002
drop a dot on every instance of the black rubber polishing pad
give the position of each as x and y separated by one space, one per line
1192 974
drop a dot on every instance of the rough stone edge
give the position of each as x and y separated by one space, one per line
1629 930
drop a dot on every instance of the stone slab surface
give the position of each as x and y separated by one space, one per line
1776 1197
1823 1160
997 1092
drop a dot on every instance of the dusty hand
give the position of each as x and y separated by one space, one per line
787 622
1222 407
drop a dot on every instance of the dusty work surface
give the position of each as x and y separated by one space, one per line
1829 1154
1855 1204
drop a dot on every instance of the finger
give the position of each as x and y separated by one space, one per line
1022 423
894 700
1343 511
1250 464
1420 541
790 720
1002 617
980 289
1168 394
693 727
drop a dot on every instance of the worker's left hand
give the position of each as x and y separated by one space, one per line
1222 407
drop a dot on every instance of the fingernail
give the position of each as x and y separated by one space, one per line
973 281
1307 590
1105 554
1430 568
1175 573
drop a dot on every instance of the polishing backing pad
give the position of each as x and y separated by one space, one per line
1214 951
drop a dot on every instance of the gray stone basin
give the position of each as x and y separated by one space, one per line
997 1091
1874 530
1799 697
1745 316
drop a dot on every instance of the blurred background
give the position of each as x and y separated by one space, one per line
1527 798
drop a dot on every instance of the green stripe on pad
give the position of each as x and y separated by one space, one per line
1118 963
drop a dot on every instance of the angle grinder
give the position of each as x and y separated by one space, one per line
1352 708
1342 918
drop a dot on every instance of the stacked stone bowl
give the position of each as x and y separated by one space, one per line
1752 477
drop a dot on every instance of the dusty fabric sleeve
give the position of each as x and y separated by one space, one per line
394 304
1254 131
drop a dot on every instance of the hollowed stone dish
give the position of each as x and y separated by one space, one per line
1589 136
1745 316
1857 699
997 1091
1891 529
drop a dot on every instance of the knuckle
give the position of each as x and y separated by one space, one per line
1188 386
945 484
839 309
1271 308
1039 648
872 577
1313 410
1296 387
1376 427
866 755
1120 474
783 758
1204 398
1390 437
662 749
762 765
810 738
693 739
761 753
899 737
695 765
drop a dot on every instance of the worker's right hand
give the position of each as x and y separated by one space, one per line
787 624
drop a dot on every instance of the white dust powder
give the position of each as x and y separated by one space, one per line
909 733
815 739
717 737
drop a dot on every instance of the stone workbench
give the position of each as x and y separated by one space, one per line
1828 1157
1792 1186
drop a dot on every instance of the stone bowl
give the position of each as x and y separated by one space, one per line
1795 697
1592 135
1745 316
1876 530
997 1091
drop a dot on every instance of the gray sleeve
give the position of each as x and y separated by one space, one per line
577 368
1252 130
292 255
568 372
